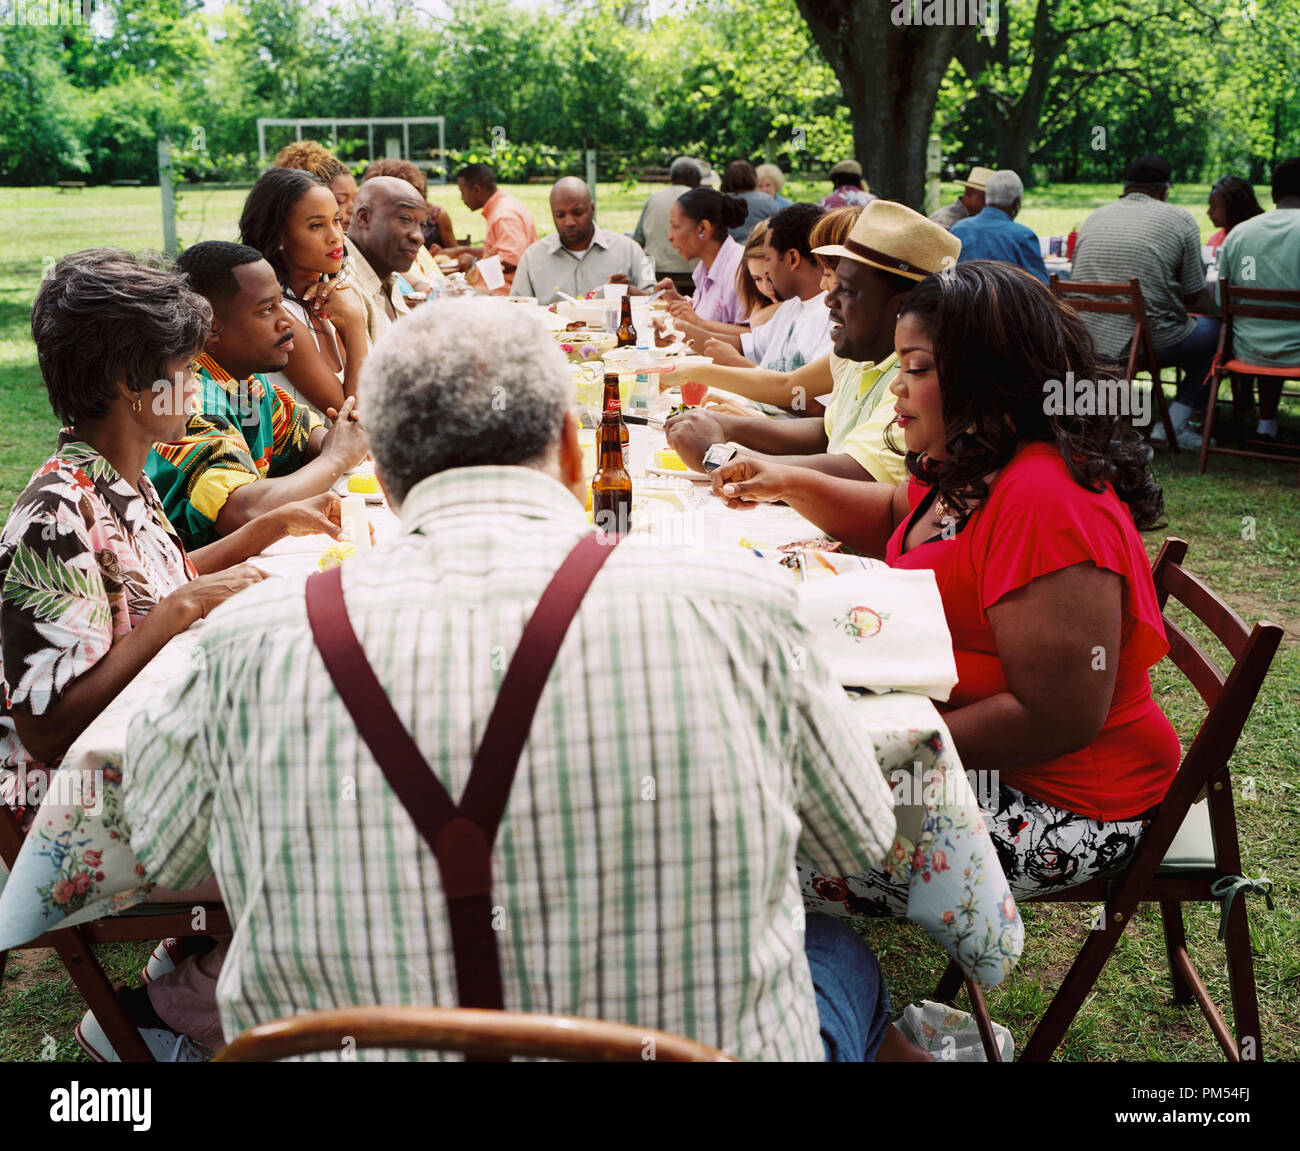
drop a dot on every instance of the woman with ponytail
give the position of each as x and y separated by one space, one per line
291 217
698 227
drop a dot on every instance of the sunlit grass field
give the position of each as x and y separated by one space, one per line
1130 1017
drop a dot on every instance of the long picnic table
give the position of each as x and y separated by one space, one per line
78 864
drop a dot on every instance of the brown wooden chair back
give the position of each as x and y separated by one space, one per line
1123 300
470 1031
1235 300
1229 699
1236 303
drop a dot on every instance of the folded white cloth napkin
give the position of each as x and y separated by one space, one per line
882 629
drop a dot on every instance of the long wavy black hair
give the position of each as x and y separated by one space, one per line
265 218
1000 338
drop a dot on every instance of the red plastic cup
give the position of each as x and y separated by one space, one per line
693 393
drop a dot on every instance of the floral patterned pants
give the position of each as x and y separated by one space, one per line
1040 847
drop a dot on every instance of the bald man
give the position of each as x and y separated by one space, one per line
386 233
578 256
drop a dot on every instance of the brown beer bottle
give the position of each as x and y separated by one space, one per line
611 486
614 403
626 332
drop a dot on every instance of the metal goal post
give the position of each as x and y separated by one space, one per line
392 143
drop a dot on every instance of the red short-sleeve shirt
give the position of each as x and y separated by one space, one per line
1038 520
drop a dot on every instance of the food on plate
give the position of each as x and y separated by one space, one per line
363 483
669 460
335 554
584 344
820 544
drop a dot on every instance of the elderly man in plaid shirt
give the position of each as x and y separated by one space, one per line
687 748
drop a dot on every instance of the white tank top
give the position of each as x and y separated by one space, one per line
280 380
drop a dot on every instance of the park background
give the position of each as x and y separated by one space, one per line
1212 85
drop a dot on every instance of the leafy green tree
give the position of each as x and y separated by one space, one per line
746 80
1253 121
1057 67
40 129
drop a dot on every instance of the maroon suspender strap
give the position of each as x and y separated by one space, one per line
460 837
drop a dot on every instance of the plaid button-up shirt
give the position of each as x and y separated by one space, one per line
688 746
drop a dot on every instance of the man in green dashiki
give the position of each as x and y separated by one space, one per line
250 448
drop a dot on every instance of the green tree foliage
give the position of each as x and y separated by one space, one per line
1214 84
751 83
40 128
1077 88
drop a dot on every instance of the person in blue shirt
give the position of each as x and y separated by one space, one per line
993 234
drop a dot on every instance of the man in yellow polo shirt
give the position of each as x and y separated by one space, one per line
858 413
890 249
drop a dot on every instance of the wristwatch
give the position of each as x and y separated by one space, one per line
719 454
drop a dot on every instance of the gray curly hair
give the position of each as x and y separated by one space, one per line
462 383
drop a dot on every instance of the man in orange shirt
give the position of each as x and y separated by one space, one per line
510 229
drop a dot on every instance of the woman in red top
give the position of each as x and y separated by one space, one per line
1029 519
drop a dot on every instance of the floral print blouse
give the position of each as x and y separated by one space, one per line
84 557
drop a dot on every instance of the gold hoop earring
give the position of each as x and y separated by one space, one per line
136 404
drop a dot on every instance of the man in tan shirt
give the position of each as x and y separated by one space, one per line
969 203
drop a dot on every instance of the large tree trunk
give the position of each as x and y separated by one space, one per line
890 75
1014 147
1015 122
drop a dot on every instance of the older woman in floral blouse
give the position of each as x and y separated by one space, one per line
93 580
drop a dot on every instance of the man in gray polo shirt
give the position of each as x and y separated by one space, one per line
1141 235
578 256
651 230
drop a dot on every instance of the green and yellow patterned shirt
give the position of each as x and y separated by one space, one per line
247 430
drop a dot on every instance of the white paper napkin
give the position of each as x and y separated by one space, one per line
882 629
489 267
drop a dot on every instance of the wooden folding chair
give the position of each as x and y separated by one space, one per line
468 1030
1123 300
1236 303
1190 853
75 945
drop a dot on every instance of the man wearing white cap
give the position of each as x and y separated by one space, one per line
890 249
969 203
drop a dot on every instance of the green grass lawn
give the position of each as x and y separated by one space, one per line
1130 1017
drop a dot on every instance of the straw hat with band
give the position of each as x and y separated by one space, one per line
893 238
977 179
